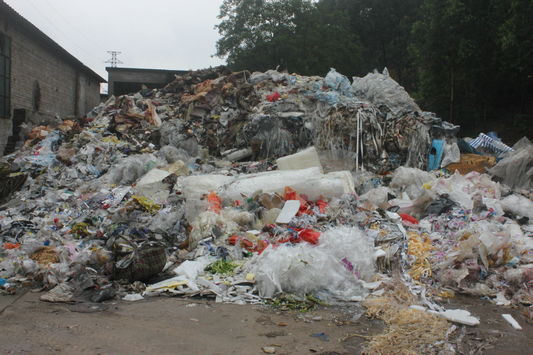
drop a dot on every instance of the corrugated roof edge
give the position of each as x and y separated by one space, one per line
17 18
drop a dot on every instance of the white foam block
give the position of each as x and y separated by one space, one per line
307 158
289 210
459 316
512 321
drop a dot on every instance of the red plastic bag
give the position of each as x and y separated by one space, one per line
274 97
309 235
289 194
408 218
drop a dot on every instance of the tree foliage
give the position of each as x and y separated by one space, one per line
296 35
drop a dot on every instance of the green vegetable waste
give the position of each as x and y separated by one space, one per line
222 266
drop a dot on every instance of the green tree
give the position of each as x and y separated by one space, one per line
297 35
474 59
516 40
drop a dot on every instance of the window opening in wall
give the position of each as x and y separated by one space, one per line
36 96
5 75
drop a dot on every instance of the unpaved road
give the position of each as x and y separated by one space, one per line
184 326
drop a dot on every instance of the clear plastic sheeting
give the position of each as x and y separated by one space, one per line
381 89
404 176
516 171
129 169
343 256
337 81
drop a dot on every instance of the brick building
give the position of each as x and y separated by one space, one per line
38 78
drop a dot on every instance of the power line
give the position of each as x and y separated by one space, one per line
71 25
46 18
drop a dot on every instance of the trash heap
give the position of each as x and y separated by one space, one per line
247 186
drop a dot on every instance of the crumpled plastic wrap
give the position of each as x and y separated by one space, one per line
129 169
518 205
343 255
516 170
381 89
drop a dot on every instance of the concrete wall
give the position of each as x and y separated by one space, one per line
131 79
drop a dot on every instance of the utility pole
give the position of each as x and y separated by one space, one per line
114 61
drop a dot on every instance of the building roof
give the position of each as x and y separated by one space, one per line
39 36
147 70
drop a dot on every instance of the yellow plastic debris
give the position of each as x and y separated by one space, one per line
146 203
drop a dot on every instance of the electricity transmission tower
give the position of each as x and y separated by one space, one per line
114 61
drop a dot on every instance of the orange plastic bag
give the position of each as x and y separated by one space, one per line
11 246
215 203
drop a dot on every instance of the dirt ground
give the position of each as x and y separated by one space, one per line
188 326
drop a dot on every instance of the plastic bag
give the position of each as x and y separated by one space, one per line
404 176
452 154
337 81
173 154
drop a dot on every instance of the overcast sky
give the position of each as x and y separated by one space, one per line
158 34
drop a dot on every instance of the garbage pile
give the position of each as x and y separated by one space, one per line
245 186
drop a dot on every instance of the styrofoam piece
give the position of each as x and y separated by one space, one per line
378 253
459 316
379 292
357 298
133 297
198 185
290 209
209 285
306 181
512 321
152 183
307 158
501 300
345 176
191 269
